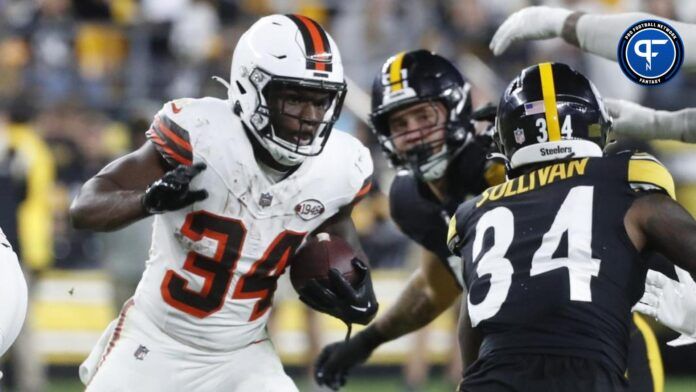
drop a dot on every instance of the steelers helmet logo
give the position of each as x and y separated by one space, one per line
650 52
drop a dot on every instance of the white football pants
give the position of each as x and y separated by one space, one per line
135 355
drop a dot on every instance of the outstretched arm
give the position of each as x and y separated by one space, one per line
633 120
429 292
594 33
600 33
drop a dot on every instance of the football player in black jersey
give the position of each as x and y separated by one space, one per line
421 114
554 258
434 179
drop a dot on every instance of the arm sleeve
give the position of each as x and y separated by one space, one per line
600 34
633 120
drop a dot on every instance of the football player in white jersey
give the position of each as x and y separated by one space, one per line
237 186
13 296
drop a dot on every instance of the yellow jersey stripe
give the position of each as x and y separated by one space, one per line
650 172
452 231
549 91
395 72
653 353
643 155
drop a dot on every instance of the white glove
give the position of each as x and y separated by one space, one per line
631 119
682 340
528 24
671 302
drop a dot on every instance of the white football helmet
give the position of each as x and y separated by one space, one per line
291 50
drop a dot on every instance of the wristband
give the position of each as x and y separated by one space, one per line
569 32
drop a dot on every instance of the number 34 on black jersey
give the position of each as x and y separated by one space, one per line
547 262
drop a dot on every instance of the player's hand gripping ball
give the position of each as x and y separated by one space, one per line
331 279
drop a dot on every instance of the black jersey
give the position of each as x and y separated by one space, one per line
424 218
548 264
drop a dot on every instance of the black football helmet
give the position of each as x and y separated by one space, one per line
419 76
549 112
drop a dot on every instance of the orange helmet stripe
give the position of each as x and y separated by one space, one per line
316 42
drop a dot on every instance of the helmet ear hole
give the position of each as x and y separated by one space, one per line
240 87
237 110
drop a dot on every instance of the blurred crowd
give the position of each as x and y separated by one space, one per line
81 79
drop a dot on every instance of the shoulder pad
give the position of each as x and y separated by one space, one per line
170 139
3 239
343 149
462 214
401 195
365 186
364 189
176 107
494 173
364 163
645 172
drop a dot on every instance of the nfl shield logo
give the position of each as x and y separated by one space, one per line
519 135
141 352
265 200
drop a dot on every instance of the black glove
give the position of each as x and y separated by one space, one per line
341 300
335 360
171 192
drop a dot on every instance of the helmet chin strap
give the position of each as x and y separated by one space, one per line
436 171
437 167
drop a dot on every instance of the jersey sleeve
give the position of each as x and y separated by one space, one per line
646 173
172 140
363 174
422 225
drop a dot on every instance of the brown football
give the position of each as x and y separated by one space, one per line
317 256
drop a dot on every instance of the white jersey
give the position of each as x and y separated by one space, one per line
213 265
13 296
